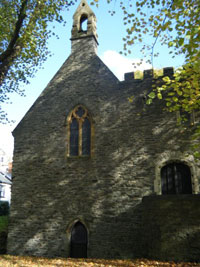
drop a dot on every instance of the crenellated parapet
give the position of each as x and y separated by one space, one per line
147 74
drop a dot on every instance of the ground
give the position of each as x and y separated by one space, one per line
10 261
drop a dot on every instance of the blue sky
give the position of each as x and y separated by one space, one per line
110 30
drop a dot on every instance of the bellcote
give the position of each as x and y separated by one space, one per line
84 15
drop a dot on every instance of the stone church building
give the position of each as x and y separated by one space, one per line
97 176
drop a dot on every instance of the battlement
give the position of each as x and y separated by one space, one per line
130 76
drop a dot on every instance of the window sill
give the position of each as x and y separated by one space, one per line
79 157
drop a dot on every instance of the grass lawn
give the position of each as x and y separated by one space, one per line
9 261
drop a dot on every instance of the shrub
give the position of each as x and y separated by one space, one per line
3 223
3 233
4 208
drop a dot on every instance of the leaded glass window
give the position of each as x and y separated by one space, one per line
176 179
79 132
74 130
86 137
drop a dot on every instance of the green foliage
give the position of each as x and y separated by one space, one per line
175 24
3 233
183 89
4 208
24 28
181 93
3 223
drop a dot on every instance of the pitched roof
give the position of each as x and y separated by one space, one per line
4 179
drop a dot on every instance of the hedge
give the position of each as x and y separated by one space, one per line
4 208
3 233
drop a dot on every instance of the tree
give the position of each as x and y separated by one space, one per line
175 24
24 28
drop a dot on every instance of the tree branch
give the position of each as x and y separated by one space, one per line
15 36
152 49
7 57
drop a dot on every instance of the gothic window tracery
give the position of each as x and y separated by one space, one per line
79 132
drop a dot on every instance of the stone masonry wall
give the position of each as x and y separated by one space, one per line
51 191
170 227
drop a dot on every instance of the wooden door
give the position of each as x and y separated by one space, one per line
79 241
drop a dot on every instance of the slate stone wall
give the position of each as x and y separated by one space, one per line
51 191
170 227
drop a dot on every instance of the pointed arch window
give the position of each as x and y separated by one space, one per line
80 130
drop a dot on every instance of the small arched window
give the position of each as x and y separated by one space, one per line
79 132
176 179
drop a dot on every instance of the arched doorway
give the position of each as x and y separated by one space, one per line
79 240
176 179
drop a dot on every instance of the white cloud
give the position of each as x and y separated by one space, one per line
119 64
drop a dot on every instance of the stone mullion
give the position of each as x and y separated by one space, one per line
68 135
80 138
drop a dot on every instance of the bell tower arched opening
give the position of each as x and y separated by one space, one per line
83 23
